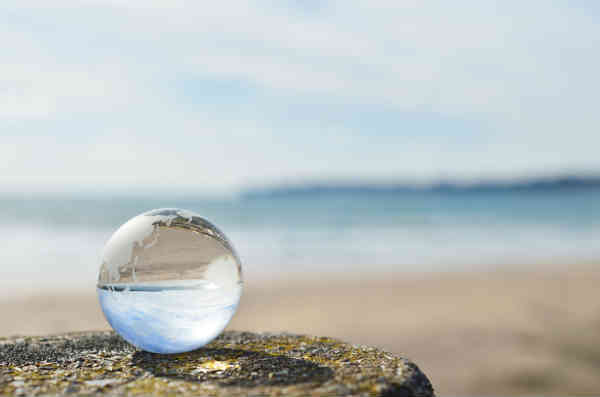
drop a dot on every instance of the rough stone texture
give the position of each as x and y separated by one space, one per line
235 364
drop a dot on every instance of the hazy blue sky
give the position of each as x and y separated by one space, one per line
221 95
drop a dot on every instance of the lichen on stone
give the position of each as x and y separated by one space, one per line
235 364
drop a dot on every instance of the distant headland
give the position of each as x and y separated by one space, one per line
541 184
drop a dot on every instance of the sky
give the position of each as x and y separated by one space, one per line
139 95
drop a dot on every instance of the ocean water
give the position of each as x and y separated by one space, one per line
58 240
168 318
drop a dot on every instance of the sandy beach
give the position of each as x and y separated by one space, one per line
495 333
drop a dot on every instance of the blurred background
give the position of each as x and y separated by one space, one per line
421 176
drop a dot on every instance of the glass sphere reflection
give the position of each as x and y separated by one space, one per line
169 282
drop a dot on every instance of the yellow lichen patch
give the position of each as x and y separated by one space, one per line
212 366
150 386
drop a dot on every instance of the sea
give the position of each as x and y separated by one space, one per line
316 232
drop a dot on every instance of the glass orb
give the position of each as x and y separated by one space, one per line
169 282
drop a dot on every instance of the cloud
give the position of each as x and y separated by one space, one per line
95 92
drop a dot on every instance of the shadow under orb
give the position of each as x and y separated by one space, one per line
232 367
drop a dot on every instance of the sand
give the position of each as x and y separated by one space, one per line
530 332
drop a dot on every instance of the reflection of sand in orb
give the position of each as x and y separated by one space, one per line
168 244
170 253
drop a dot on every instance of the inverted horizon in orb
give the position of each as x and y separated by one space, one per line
169 282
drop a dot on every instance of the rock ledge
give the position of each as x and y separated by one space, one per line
235 364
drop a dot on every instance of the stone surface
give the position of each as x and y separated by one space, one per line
235 364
